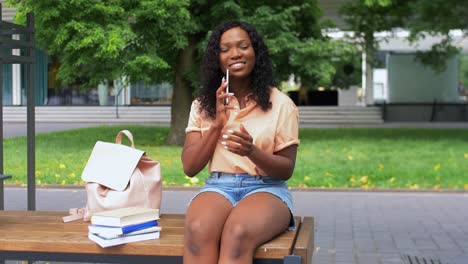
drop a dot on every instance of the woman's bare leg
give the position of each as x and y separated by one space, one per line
253 221
204 223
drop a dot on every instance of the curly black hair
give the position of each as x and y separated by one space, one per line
261 76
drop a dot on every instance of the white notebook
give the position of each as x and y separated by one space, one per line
124 216
108 242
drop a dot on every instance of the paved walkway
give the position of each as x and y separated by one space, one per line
350 227
19 129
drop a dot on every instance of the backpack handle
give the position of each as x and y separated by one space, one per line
118 138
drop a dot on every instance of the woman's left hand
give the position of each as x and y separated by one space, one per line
238 142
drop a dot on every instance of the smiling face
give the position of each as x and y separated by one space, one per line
236 53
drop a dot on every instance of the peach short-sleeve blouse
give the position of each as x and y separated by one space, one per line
271 131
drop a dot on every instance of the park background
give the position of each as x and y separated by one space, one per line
383 189
394 57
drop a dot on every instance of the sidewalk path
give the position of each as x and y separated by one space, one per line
19 129
351 227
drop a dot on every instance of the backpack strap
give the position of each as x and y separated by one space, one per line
75 214
118 138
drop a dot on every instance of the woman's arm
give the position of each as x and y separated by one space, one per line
278 165
199 149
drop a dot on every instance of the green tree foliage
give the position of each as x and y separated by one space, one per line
155 40
365 17
291 30
438 18
421 17
99 40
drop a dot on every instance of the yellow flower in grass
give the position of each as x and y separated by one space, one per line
392 179
328 174
466 186
63 182
364 180
437 187
414 186
437 167
57 176
381 166
164 183
194 180
186 184
38 173
62 166
352 179
307 178
72 175
350 157
465 155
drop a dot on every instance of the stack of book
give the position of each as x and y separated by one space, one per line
125 225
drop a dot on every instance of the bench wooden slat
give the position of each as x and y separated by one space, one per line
43 231
304 245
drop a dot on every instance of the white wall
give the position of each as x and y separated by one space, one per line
349 97
380 85
412 82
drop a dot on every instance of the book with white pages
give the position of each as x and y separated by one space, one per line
124 216
110 235
124 239
115 231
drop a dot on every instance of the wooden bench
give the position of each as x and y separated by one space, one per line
41 235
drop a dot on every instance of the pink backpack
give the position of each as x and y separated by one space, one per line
119 176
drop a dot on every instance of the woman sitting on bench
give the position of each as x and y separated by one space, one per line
247 130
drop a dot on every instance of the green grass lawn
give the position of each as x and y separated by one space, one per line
328 158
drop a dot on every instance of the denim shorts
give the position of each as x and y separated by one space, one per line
235 187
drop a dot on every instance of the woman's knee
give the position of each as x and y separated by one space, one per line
237 239
198 235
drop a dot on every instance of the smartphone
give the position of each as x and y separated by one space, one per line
227 87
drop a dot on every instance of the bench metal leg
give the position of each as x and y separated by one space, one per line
2 178
292 259
2 202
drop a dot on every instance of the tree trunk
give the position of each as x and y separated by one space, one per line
369 82
370 52
182 96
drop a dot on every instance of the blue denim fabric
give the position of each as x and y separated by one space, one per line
235 187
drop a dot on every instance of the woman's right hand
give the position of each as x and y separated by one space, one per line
221 108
